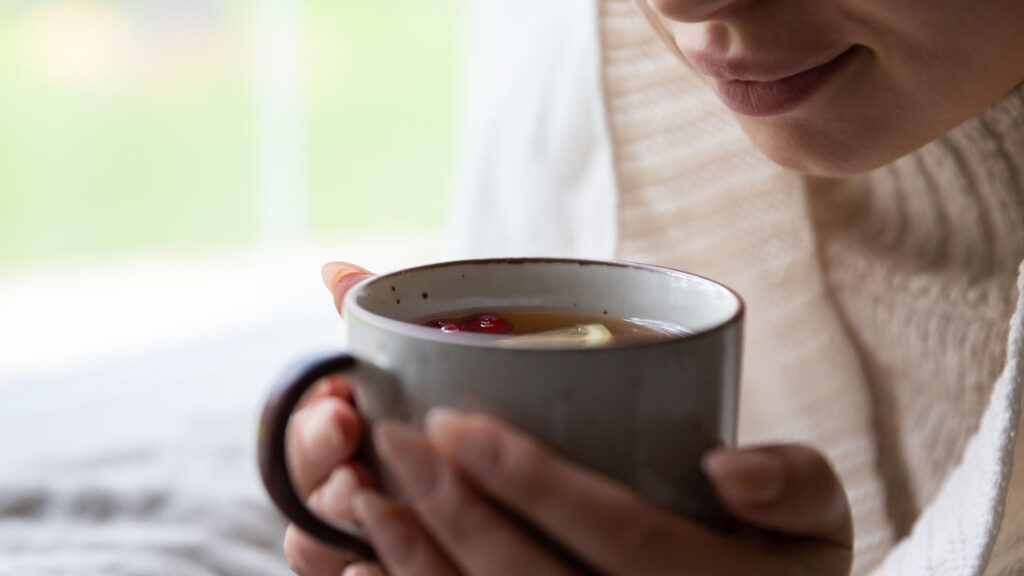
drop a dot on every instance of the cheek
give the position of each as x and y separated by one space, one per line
954 56
933 66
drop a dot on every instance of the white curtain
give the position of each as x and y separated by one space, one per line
536 174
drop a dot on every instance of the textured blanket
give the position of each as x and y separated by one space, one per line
146 467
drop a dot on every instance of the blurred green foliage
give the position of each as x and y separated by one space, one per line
381 136
99 160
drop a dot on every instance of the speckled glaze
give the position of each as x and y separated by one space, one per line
641 414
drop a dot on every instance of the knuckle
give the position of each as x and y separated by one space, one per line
333 423
338 385
470 522
458 512
332 405
522 468
332 500
334 385
349 422
488 427
525 455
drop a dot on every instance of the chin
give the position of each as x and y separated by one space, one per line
810 149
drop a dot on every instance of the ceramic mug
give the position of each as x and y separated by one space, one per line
641 414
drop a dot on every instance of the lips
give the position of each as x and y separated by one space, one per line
766 88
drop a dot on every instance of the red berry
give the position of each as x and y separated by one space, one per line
488 324
449 327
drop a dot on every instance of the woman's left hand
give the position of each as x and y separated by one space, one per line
465 477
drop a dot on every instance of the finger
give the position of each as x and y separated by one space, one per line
336 385
340 277
603 523
309 557
319 437
332 502
363 570
790 489
403 546
479 539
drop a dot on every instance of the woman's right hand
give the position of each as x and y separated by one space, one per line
322 437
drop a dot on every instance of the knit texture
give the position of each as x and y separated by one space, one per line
877 306
922 258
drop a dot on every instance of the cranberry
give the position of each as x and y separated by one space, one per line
488 324
449 327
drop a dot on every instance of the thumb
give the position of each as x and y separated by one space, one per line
786 488
340 277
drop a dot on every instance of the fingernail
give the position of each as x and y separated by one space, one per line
748 477
333 273
409 456
322 437
474 448
391 535
336 494
340 277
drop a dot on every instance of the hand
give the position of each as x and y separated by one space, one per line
787 494
453 477
322 436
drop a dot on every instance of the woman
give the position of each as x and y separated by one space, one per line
878 252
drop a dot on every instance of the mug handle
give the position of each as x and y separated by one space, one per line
273 462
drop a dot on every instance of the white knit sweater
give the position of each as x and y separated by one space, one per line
647 165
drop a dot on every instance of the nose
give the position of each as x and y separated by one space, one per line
693 10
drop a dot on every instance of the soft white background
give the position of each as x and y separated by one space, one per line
129 391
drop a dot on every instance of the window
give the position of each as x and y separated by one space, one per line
165 139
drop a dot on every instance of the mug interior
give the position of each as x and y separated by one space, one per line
596 288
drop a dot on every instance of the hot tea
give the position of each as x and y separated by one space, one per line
546 346
554 328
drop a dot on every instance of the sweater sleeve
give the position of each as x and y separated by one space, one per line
1008 554
975 525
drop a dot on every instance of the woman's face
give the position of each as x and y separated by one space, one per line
844 86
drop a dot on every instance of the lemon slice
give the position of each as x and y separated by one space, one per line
579 336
